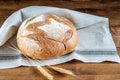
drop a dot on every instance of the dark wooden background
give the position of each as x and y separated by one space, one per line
84 71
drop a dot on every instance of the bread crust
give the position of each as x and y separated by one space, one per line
39 44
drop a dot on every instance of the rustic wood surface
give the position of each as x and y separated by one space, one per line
84 71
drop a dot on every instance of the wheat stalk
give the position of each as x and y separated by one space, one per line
42 70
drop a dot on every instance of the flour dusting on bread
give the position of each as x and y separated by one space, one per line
55 30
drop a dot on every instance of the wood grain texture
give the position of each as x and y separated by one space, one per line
84 71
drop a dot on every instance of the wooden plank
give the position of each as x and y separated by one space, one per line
91 4
64 77
83 71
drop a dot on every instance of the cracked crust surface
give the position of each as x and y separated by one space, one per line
46 37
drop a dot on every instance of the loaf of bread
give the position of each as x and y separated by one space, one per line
46 37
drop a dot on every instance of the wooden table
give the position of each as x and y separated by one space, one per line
84 71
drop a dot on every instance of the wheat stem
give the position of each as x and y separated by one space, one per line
45 73
61 70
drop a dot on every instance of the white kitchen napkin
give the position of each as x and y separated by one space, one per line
95 43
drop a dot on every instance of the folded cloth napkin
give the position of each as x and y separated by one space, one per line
95 43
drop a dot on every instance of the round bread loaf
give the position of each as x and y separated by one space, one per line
46 37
